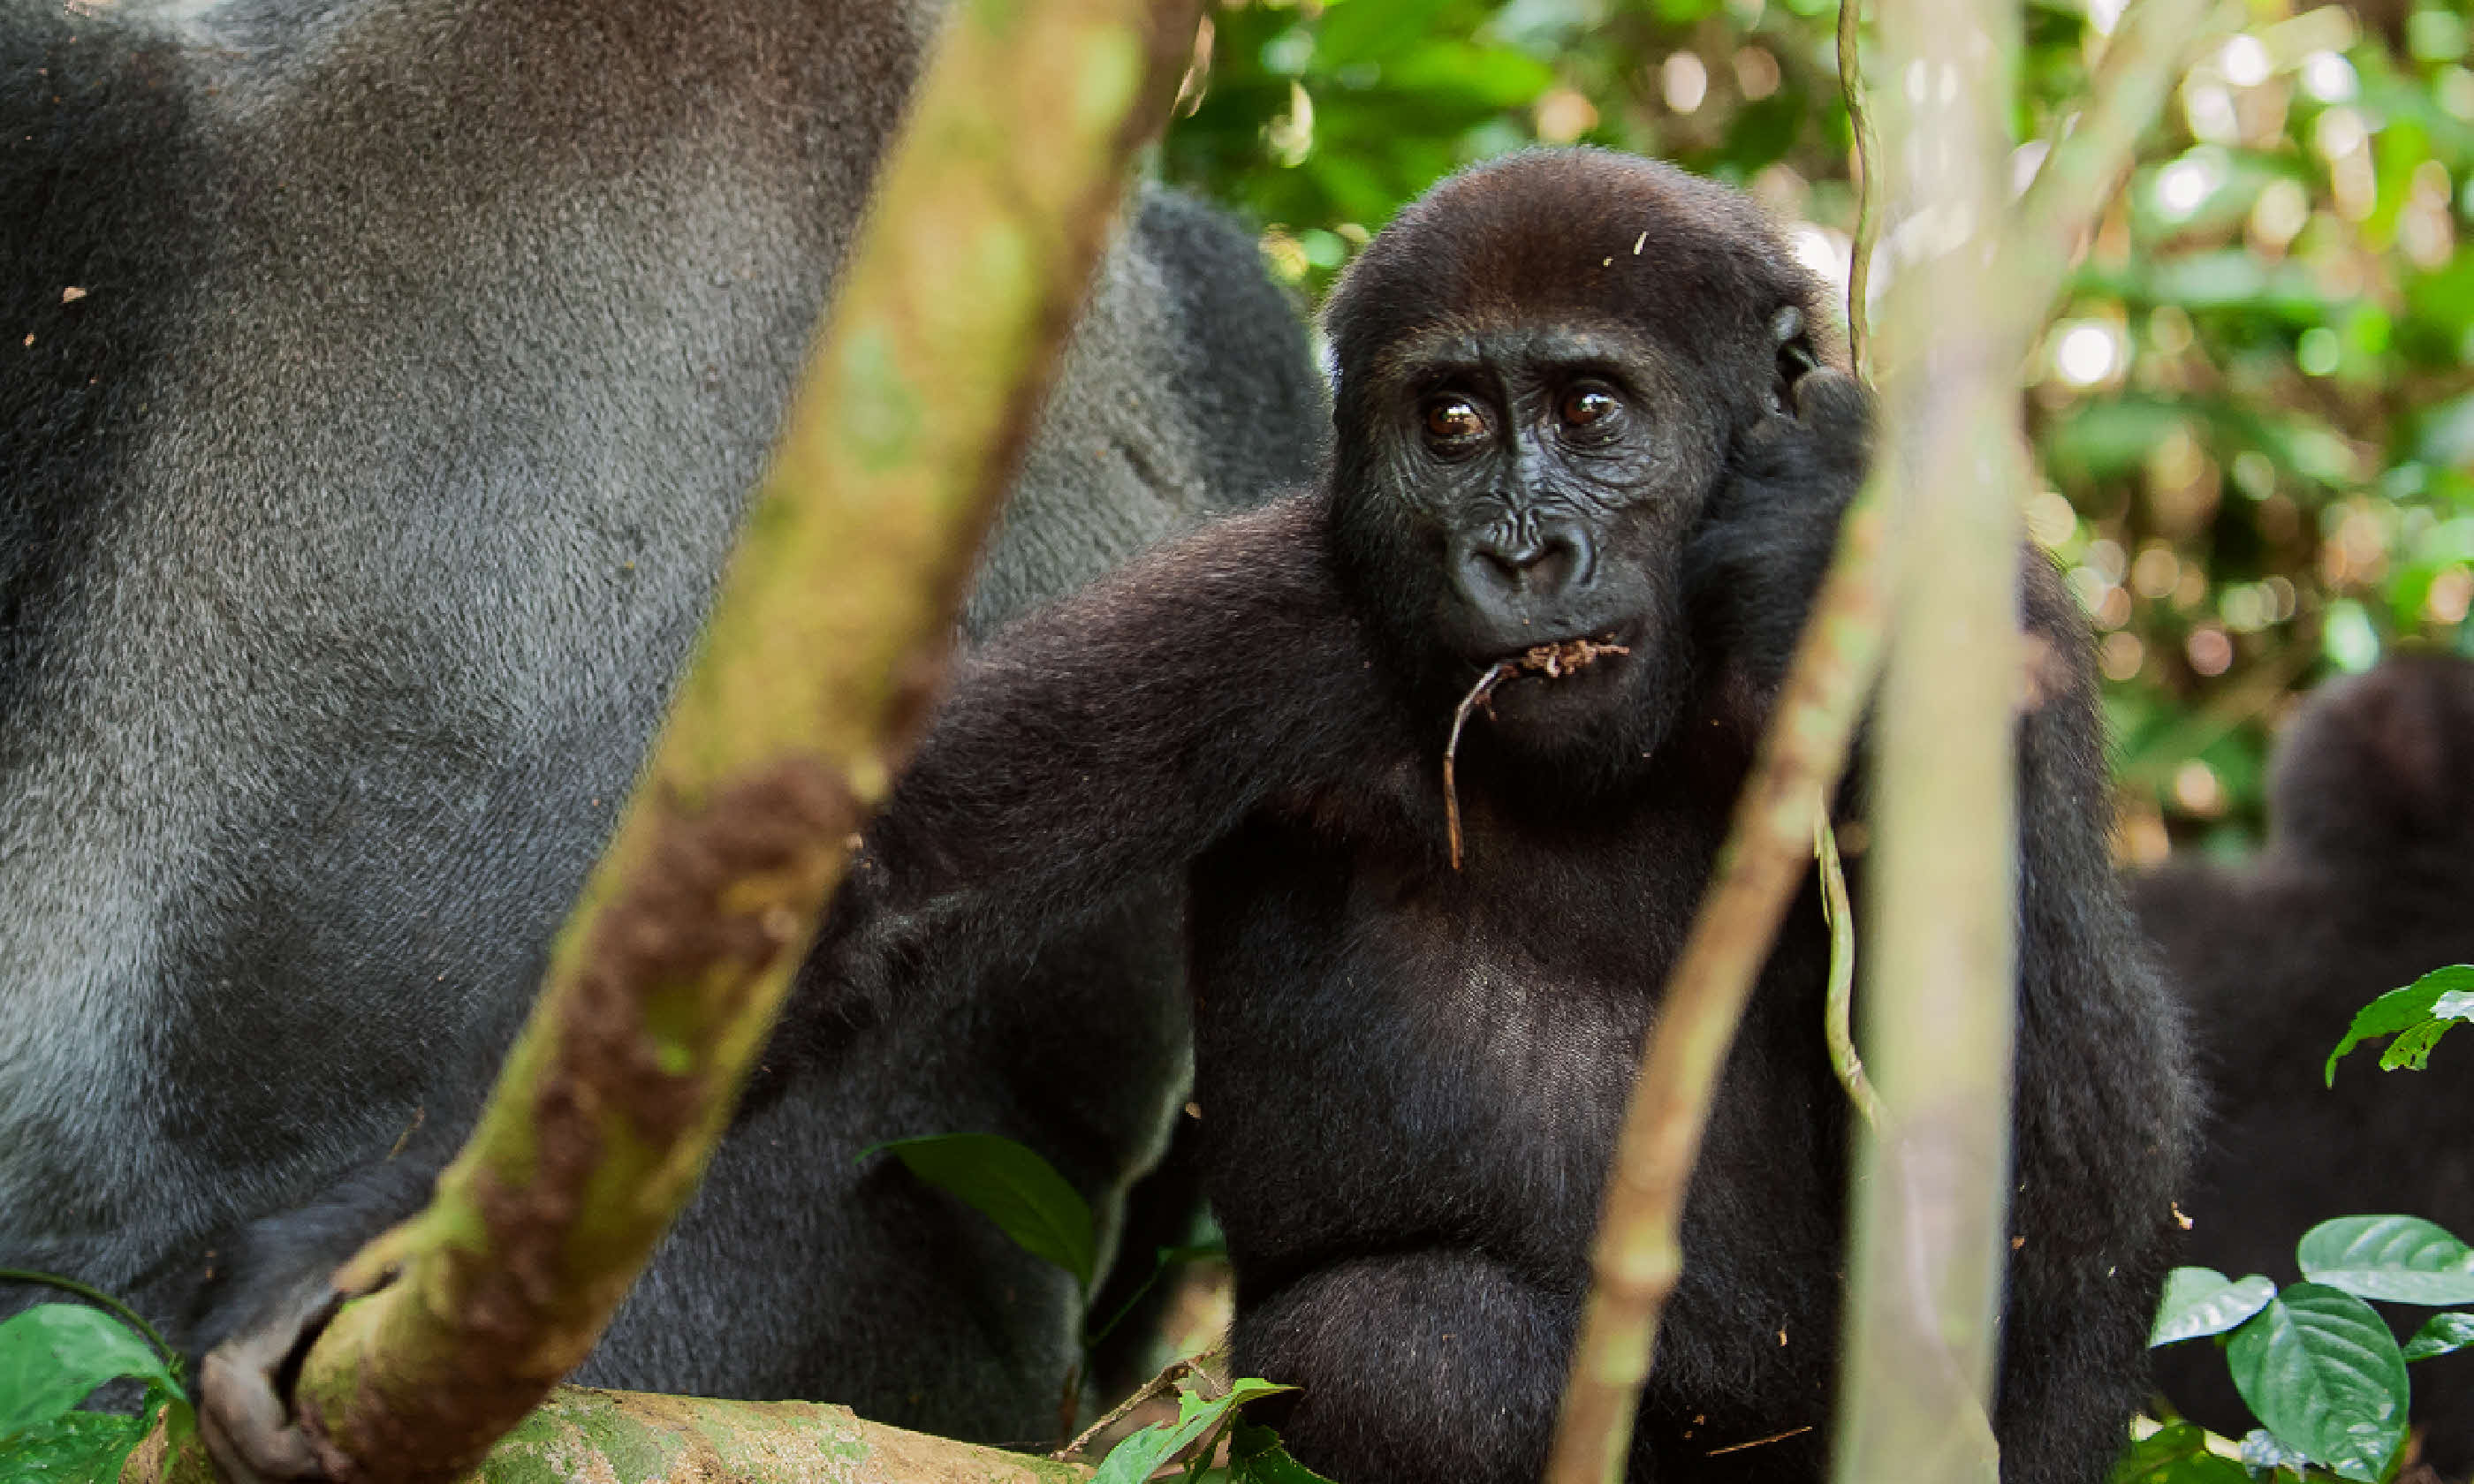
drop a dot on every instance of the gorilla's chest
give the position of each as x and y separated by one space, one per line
1434 1055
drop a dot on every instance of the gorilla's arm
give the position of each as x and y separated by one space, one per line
2104 1102
1106 743
2096 1078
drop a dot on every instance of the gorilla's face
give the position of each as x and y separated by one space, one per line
1534 484
1543 369
1544 477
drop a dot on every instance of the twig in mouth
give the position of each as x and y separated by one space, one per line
1552 661
1775 1437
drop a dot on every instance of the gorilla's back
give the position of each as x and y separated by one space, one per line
386 381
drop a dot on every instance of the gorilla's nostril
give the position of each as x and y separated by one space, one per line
1536 567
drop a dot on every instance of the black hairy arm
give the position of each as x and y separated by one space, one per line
2103 1101
1101 746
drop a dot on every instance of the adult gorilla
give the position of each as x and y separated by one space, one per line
382 382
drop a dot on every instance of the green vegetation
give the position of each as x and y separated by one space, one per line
2254 413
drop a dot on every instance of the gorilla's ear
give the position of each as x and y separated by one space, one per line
1795 355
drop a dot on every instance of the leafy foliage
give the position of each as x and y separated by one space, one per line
52 1357
2255 410
2319 1369
1255 1455
2417 1016
2316 1364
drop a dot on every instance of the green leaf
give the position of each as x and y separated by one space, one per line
54 1354
1139 1457
2178 1455
74 1448
1013 1187
2203 1301
2442 1334
2401 1010
1257 1456
2319 1369
2403 1260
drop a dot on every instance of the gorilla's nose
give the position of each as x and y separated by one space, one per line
1515 572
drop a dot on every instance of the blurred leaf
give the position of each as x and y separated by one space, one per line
1012 1187
2203 1301
2404 1259
2319 1368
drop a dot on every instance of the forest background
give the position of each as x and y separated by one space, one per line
2252 412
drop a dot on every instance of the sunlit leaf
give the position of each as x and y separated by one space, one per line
2319 1369
2404 1259
2442 1334
2203 1301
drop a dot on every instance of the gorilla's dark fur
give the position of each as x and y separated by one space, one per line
2363 887
1576 400
381 382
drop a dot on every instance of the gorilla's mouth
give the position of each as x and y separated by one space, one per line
1553 661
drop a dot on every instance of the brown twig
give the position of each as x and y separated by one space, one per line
1552 661
1838 1020
1775 1437
1170 1374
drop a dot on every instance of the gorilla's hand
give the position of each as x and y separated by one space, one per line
276 1294
1758 557
244 1389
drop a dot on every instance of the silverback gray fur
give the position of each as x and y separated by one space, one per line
381 384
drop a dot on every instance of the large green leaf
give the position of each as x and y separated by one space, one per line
1012 1187
2203 1301
2403 1260
2319 1369
74 1448
2442 1334
2178 1455
1134 1460
2407 1009
54 1354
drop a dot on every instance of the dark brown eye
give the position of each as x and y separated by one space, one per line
1585 407
1453 419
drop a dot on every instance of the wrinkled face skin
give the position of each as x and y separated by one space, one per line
1544 368
1546 476
1537 483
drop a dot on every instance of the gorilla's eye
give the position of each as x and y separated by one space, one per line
1454 419
1589 409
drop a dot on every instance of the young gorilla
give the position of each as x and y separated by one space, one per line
2361 889
1576 399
